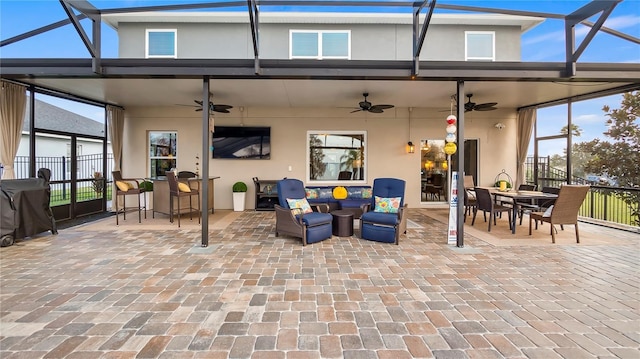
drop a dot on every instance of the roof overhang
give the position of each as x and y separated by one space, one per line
335 83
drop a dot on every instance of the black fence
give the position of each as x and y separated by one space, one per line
90 179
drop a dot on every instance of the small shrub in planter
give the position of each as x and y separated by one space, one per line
239 187
147 186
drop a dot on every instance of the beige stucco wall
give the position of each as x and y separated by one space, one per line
387 135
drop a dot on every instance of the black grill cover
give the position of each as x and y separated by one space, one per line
30 199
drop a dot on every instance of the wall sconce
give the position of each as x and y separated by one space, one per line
445 165
500 126
410 147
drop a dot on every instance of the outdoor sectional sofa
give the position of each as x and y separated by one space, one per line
356 197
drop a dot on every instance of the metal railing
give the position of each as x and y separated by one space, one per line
603 203
90 180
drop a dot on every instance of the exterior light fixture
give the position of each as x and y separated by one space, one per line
410 147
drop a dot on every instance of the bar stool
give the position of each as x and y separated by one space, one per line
178 190
125 187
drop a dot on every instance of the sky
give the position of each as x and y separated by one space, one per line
544 43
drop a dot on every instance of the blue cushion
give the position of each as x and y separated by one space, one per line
353 203
317 218
380 218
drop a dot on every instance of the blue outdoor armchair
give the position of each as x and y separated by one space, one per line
311 227
375 223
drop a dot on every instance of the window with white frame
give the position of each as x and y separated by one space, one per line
479 45
336 156
320 44
161 43
163 150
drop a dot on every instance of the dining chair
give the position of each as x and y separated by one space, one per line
128 187
486 204
177 190
470 204
563 211
526 205
549 202
187 174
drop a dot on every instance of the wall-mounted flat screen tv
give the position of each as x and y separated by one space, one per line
242 142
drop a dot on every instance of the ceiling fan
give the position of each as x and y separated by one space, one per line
212 107
472 106
367 106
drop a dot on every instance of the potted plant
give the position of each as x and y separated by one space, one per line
239 194
148 188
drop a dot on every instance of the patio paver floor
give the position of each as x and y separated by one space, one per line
142 293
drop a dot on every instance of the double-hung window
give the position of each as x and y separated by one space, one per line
320 44
479 46
163 150
161 43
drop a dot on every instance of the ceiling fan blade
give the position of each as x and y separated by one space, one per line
180 104
382 107
220 108
199 109
488 104
485 108
374 109
358 110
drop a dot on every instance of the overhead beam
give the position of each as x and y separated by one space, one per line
93 14
418 40
606 8
326 69
254 22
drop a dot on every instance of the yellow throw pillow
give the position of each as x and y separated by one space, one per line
123 186
183 187
340 192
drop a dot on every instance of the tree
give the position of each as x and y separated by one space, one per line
318 167
576 131
619 157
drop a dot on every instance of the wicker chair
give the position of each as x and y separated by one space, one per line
176 192
564 211
133 190
486 204
526 204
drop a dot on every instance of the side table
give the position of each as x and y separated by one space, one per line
342 225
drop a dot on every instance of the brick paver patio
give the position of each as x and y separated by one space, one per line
157 294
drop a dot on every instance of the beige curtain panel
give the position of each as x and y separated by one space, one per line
525 122
13 100
115 121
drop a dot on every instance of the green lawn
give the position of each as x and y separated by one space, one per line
84 194
617 210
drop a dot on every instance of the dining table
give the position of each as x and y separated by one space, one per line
516 196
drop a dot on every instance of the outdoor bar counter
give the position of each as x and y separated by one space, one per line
161 194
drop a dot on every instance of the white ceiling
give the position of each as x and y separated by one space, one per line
316 93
